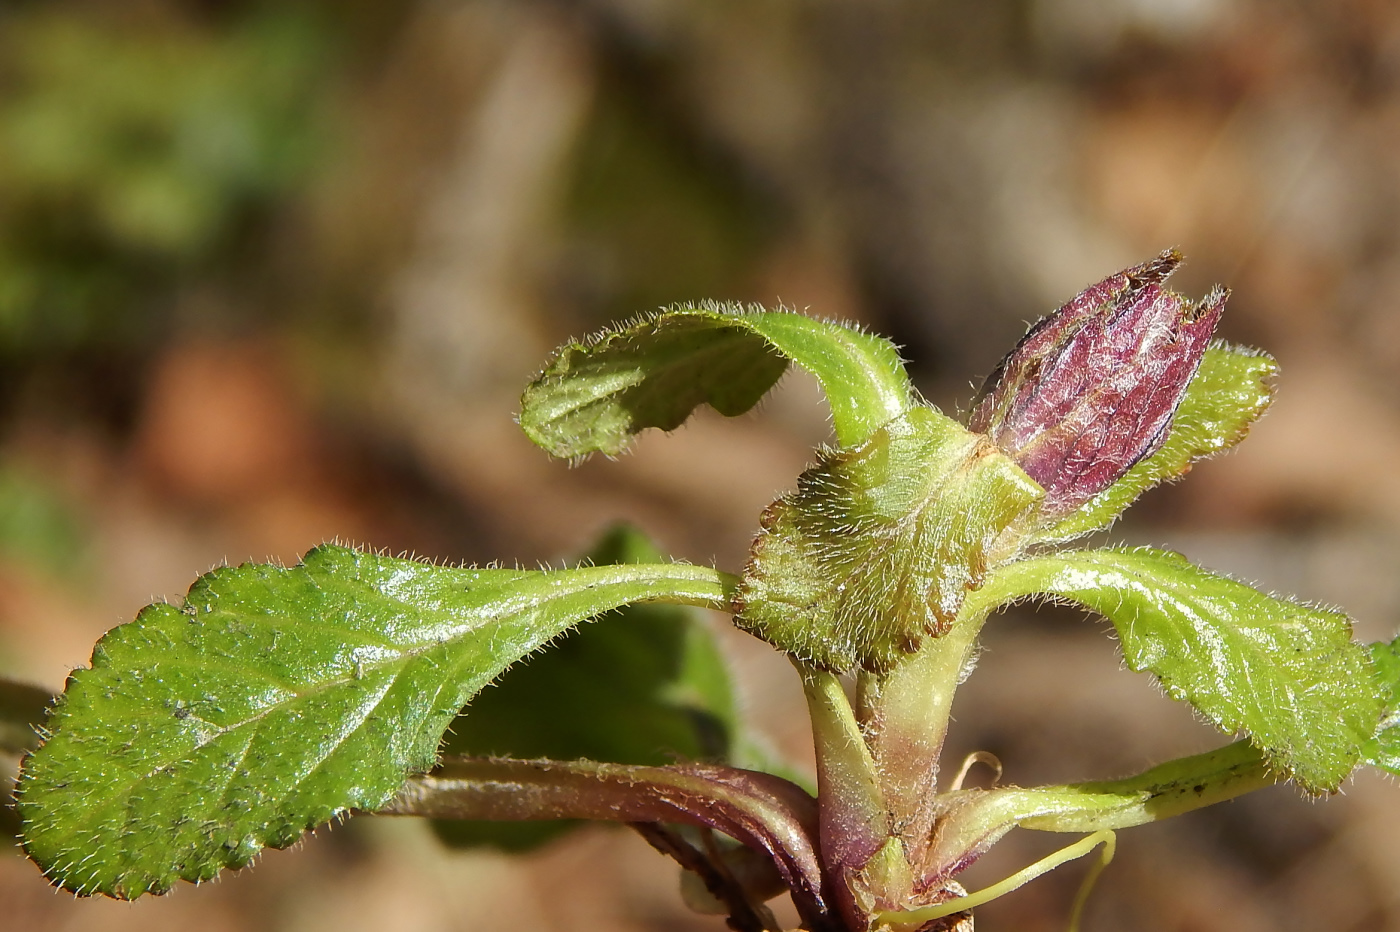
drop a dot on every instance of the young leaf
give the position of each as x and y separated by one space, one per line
1383 750
1286 673
646 685
595 395
880 543
275 699
973 820
1232 388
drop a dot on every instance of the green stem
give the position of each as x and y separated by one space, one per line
904 716
845 770
1081 898
854 825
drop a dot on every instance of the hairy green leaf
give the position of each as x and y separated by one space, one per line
1231 390
594 396
275 699
880 543
1287 674
1384 749
646 685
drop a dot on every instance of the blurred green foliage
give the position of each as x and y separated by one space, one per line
129 157
38 529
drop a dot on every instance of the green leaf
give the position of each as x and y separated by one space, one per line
594 396
1383 750
880 543
275 699
646 685
975 819
1232 388
1288 674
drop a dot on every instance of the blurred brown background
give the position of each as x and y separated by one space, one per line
272 273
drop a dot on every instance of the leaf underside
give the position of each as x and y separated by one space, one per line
594 396
1288 674
277 698
1231 389
1383 750
880 543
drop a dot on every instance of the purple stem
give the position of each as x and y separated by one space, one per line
764 812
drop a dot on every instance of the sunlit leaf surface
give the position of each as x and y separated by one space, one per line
275 699
1384 749
1287 674
594 396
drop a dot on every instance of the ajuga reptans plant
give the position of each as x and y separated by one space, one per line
273 699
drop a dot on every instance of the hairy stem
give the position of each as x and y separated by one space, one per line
854 824
904 716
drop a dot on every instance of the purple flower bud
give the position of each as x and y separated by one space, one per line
1092 388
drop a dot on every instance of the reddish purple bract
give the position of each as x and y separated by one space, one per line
1092 388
